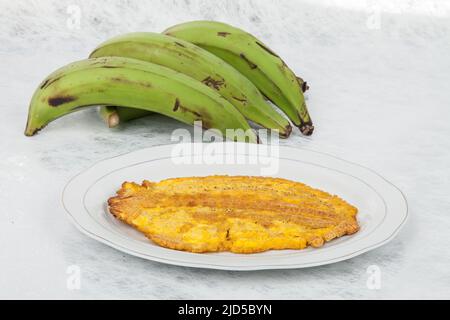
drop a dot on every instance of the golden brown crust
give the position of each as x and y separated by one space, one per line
233 213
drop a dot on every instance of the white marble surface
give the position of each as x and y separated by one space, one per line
380 96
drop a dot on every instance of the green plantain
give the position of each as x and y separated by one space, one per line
253 59
132 83
201 65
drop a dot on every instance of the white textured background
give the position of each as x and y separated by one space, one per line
380 96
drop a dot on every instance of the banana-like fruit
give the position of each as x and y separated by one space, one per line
133 83
201 65
114 115
253 59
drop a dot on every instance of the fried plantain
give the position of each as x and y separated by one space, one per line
240 214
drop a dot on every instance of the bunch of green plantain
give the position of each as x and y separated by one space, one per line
196 71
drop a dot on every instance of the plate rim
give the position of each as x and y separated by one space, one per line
132 251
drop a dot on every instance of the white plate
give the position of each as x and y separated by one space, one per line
382 207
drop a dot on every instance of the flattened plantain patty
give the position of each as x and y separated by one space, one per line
233 213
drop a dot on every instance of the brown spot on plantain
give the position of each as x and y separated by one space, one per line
176 105
180 44
213 83
223 34
98 60
249 62
243 100
59 100
266 49
49 81
185 109
206 123
44 84
125 80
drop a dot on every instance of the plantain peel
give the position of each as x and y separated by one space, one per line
233 213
